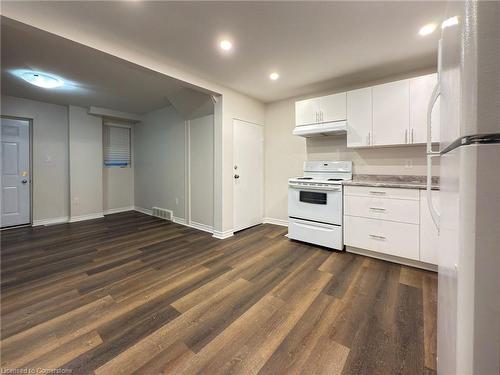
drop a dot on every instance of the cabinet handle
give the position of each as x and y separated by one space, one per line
377 192
368 140
377 208
321 112
411 135
377 237
406 136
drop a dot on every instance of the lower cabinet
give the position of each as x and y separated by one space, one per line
388 237
391 221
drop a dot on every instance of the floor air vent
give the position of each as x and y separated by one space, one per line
162 213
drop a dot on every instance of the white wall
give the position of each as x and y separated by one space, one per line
118 184
85 163
201 160
118 188
159 159
285 154
50 154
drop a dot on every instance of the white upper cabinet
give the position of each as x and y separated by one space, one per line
307 112
420 94
332 107
359 118
391 107
390 114
323 109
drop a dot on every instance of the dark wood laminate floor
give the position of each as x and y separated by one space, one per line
134 294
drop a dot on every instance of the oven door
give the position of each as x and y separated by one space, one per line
323 206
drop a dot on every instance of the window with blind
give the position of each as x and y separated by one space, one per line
116 141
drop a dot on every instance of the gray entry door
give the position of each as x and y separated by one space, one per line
16 175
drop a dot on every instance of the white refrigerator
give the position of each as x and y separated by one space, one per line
469 168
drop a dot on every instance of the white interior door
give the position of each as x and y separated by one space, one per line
16 176
248 174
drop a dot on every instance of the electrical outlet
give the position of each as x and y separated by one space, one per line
408 164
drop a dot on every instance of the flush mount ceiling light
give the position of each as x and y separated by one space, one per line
225 45
427 29
47 81
452 21
274 76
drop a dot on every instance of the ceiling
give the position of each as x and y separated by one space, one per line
92 78
309 43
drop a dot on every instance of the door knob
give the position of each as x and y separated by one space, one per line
236 176
24 181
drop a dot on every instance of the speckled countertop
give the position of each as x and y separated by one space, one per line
392 181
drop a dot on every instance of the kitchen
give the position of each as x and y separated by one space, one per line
306 187
386 216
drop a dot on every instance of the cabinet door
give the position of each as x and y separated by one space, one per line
333 107
307 112
420 94
391 110
359 117
429 240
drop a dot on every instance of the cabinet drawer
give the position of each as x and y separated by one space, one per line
387 237
401 210
372 191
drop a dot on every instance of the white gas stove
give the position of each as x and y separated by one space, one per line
315 203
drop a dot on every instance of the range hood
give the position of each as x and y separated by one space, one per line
327 128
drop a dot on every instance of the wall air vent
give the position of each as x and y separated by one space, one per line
162 213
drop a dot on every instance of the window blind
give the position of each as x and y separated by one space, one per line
116 140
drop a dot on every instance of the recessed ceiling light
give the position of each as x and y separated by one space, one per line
427 29
452 21
44 80
225 45
274 76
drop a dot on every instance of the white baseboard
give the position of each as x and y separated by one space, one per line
143 210
270 220
200 226
223 235
118 210
192 224
179 220
53 221
392 258
97 215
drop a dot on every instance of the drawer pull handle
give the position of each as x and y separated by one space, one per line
377 208
378 192
377 237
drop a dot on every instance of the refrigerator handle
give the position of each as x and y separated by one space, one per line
434 97
430 154
434 213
